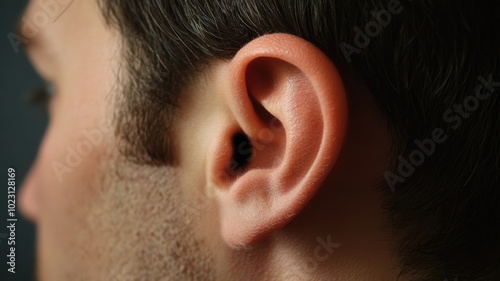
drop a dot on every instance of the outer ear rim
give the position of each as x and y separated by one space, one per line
323 74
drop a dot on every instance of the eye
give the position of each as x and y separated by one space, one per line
42 95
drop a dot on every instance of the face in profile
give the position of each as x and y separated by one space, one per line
232 141
100 217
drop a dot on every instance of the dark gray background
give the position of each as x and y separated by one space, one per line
21 129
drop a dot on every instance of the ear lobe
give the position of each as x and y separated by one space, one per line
287 99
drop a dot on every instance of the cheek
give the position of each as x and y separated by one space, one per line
68 169
76 141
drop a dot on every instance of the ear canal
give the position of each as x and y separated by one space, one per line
242 152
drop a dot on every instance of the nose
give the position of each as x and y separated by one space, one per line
29 196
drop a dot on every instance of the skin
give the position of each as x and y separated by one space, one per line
106 218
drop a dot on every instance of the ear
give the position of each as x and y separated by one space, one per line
286 119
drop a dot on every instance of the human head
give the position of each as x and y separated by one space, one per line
297 123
